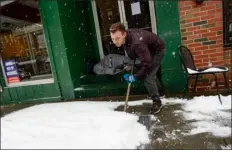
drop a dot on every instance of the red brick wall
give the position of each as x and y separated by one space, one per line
202 32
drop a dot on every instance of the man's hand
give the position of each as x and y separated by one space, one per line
129 78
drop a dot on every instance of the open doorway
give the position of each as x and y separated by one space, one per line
133 14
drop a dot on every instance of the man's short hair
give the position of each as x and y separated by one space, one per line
117 27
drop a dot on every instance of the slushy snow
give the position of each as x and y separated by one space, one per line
210 115
95 125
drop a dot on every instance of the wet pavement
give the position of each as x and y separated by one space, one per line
167 129
14 107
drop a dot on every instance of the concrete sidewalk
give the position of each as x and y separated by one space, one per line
168 129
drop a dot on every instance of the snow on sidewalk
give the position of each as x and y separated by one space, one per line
95 125
72 125
210 115
206 112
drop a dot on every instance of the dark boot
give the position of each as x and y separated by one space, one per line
157 106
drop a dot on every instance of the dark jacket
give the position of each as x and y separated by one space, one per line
144 45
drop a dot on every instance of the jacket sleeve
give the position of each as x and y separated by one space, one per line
144 55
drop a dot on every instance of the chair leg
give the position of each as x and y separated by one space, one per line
217 88
226 83
194 89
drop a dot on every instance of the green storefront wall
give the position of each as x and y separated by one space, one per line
71 40
168 25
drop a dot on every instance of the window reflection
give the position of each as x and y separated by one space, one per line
23 47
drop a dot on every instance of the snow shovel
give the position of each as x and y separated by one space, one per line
143 119
128 89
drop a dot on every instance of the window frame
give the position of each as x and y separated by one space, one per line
6 84
226 41
28 32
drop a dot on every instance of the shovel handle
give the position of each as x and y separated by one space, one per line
132 68
127 96
128 89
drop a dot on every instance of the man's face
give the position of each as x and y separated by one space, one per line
118 38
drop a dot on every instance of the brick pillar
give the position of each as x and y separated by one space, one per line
202 32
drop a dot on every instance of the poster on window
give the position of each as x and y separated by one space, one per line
11 71
135 8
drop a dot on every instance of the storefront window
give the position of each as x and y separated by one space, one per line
24 53
227 10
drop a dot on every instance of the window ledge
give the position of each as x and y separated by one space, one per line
29 83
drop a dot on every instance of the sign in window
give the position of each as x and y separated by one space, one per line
24 53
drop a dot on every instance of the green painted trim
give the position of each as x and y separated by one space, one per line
39 92
110 89
51 18
38 100
32 93
168 28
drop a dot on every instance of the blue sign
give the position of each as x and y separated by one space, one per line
11 68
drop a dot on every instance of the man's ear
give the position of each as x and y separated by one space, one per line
124 34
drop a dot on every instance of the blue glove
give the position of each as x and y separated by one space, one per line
129 78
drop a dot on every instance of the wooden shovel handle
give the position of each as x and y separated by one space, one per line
128 89
127 96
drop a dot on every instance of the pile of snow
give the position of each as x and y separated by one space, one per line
72 125
95 125
209 115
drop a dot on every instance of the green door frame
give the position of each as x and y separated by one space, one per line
62 88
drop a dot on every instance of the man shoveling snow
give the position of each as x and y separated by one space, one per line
150 50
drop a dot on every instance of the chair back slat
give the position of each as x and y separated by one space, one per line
186 57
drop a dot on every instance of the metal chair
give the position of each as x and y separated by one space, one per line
190 68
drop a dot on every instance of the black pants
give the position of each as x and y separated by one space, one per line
151 82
